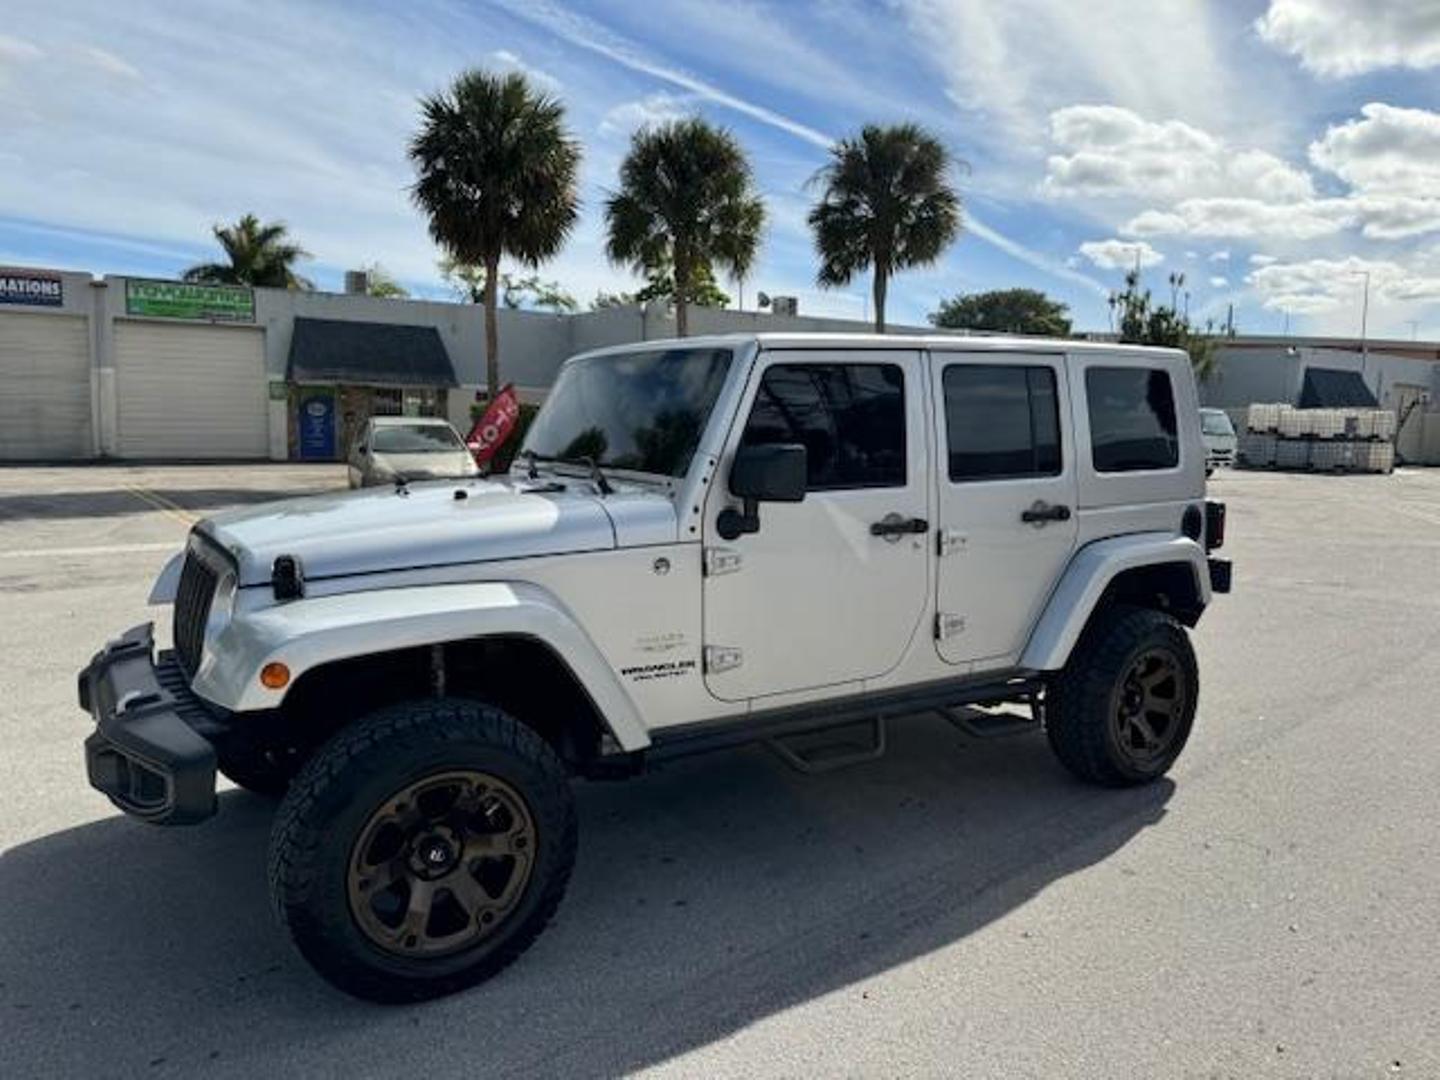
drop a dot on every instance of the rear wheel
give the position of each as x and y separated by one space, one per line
423 849
1122 709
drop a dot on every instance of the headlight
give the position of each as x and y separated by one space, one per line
222 607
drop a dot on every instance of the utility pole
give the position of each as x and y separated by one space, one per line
1364 322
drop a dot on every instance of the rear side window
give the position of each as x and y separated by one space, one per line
849 417
1002 422
1132 419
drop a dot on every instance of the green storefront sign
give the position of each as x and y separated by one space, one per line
178 300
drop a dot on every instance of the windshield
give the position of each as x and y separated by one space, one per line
1214 422
416 439
642 411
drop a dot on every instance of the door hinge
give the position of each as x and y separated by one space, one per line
948 541
719 560
722 658
947 625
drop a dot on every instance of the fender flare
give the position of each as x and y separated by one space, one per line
1085 581
306 634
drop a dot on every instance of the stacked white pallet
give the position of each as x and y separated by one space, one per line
1263 417
1325 423
1292 454
1293 424
1375 457
1280 436
1257 449
1332 455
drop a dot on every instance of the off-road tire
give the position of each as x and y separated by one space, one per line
361 768
1081 702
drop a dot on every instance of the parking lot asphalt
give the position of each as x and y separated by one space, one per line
957 908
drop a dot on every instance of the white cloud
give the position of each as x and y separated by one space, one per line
1115 254
1010 64
1350 37
1243 218
506 60
1391 151
1260 259
1318 285
1220 256
1200 185
1218 282
1112 151
657 108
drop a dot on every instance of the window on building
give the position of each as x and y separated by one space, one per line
1002 421
1132 419
849 417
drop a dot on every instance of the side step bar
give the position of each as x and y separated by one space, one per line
782 726
829 756
981 723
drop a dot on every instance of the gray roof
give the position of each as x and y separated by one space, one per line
368 353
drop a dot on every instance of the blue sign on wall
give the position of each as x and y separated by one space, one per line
317 427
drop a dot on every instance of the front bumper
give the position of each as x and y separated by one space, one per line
149 753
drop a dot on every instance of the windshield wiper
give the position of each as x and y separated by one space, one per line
596 476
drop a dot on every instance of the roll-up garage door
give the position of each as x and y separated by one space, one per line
190 391
44 387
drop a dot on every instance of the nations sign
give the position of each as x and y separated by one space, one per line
32 287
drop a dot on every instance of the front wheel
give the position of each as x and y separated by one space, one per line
1121 710
423 849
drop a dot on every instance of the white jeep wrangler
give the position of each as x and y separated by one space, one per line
703 542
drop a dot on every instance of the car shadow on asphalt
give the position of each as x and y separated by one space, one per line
708 896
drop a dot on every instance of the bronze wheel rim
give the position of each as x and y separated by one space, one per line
1149 705
441 864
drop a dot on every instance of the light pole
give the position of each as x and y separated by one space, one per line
1364 322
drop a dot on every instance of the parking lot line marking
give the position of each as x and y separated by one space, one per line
104 549
164 505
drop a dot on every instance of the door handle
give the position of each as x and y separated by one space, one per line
893 526
1041 512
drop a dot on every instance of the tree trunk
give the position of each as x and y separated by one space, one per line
881 281
492 329
682 294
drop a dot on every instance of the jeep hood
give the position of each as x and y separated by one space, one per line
430 525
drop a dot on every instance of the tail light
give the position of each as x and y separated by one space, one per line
1214 525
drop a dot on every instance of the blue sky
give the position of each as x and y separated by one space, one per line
1273 151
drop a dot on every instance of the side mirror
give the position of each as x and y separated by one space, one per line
773 472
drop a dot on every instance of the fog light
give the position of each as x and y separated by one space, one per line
275 675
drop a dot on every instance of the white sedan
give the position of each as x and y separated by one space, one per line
392 448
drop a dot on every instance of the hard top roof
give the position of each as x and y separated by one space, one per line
822 340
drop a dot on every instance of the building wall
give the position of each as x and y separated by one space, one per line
77 300
534 344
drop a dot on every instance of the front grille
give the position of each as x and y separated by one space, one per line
192 608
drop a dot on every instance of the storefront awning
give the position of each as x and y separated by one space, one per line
368 354
1331 388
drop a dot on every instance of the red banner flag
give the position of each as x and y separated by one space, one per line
495 425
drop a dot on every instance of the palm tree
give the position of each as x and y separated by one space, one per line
259 255
496 175
887 204
687 200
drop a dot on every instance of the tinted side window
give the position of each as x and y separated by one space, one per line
1132 419
1001 421
849 417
